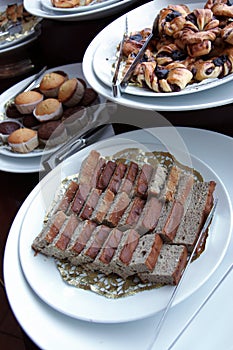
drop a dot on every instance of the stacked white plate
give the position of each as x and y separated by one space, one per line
45 9
101 55
11 41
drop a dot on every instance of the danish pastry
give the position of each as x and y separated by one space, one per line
217 67
201 25
172 19
171 78
227 33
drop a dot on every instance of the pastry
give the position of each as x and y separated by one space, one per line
171 78
51 83
7 127
49 109
23 140
52 133
71 92
27 101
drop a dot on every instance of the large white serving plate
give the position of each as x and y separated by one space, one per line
35 7
30 162
132 335
105 55
44 278
47 4
100 55
105 58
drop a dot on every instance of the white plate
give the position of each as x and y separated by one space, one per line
219 95
16 162
105 57
48 5
45 280
6 151
136 335
35 8
16 45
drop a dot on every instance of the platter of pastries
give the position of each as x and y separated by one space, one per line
17 26
191 51
37 121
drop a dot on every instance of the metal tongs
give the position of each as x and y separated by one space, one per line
29 86
119 87
178 286
115 79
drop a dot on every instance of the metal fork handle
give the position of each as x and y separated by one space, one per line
211 293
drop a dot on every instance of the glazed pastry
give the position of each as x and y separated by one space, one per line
170 53
216 67
199 49
70 3
205 70
172 19
171 78
135 41
200 26
227 33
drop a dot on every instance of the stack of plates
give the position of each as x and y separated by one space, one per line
97 9
100 57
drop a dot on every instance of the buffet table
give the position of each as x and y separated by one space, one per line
62 43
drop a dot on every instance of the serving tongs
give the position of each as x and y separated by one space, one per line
11 29
115 79
29 86
75 144
125 81
178 286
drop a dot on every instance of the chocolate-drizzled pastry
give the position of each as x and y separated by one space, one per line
227 33
216 67
170 53
172 19
171 78
201 25
135 41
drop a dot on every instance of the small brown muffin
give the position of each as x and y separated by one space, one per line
12 111
51 83
23 140
49 109
52 133
7 127
75 119
27 101
30 121
89 97
71 92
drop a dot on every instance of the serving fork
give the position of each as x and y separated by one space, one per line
116 78
178 286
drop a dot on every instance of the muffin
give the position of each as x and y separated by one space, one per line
71 92
12 111
49 109
90 97
23 140
51 82
30 121
27 101
75 119
7 127
52 133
